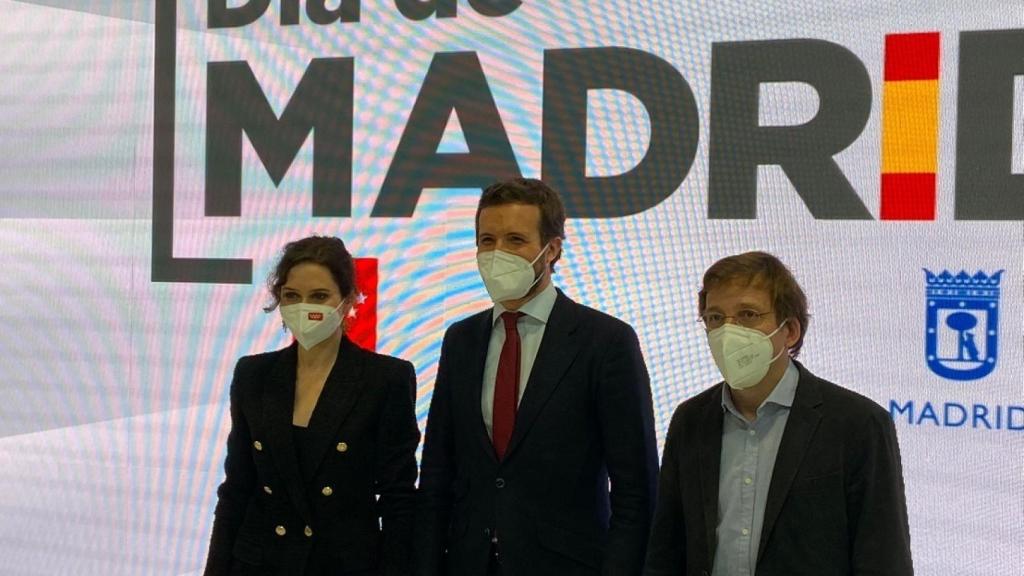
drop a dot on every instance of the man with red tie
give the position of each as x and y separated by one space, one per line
539 456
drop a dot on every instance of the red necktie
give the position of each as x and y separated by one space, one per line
506 386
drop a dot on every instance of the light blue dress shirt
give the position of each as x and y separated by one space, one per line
531 332
748 458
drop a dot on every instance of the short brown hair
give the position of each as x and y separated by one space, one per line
763 270
532 192
327 251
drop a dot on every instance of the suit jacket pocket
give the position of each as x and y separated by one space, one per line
571 544
830 482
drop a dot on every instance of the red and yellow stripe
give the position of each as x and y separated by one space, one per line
910 126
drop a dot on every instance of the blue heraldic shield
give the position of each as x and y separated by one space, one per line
962 324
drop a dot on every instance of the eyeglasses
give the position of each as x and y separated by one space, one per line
747 318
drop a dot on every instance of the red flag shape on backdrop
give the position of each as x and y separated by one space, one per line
362 319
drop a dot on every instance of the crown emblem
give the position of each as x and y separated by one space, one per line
946 278
980 286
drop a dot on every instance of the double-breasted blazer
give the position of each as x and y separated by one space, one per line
347 504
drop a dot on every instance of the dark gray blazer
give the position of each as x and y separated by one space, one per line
835 505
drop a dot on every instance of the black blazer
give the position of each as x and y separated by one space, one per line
835 505
586 416
278 515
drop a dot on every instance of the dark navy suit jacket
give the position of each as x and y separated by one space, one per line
585 418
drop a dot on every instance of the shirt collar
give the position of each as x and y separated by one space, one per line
539 307
782 395
785 392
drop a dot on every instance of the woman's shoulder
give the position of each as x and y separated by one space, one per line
379 362
394 377
251 370
261 359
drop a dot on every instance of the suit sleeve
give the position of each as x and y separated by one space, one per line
666 550
395 474
626 416
434 499
239 481
877 506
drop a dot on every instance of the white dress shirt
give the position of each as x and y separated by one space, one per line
531 331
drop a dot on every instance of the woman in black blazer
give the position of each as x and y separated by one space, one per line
320 466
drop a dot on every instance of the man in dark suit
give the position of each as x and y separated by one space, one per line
775 471
539 404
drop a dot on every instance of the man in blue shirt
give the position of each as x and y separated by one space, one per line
775 471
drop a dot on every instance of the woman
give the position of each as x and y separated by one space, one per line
319 431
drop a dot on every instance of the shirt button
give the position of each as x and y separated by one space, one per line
499 483
268 490
747 481
341 447
257 445
745 532
280 531
327 491
308 532
752 432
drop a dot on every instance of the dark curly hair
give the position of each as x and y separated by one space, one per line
327 251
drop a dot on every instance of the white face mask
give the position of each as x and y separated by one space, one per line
743 355
507 276
311 324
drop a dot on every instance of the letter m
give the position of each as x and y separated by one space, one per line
321 104
895 410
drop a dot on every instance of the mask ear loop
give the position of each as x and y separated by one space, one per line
344 319
784 349
541 253
538 276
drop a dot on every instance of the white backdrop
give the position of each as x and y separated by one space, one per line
113 399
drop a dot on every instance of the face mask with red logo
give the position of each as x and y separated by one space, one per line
311 324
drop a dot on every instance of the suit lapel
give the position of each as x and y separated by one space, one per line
557 352
278 405
341 390
803 421
477 357
710 467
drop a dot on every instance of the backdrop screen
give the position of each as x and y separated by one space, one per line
156 156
